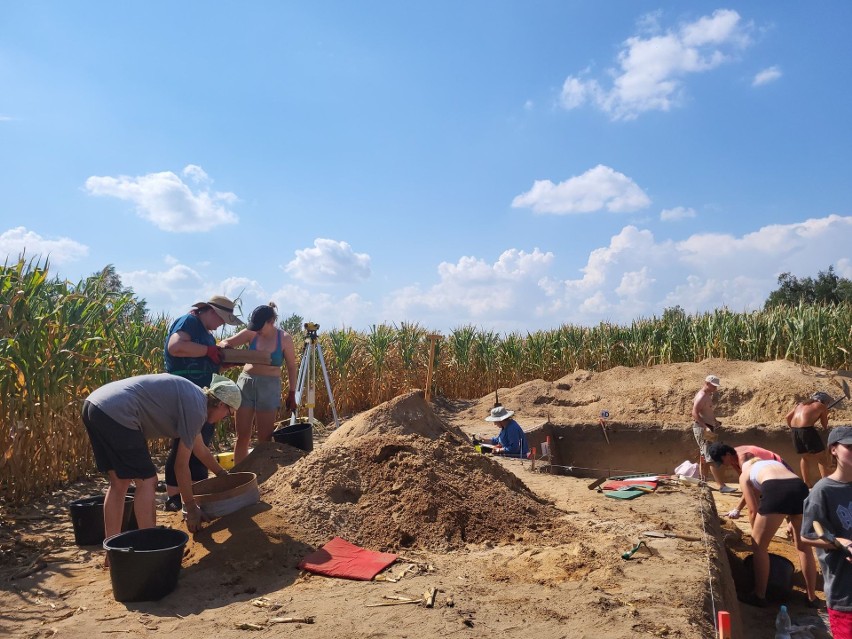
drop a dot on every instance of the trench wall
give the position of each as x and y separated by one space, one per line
642 448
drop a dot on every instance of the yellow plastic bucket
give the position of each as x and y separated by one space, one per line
225 460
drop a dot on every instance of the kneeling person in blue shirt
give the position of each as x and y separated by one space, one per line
511 441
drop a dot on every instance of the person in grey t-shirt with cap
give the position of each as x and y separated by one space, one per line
830 504
121 416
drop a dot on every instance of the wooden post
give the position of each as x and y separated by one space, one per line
432 339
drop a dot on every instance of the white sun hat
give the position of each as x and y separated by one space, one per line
226 391
712 379
498 414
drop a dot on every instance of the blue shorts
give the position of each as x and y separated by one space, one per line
260 392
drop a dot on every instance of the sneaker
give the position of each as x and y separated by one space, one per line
815 603
173 504
753 600
725 490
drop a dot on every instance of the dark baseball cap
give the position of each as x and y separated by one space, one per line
840 435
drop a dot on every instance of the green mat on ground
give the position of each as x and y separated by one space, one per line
624 493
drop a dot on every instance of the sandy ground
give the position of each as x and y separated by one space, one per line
541 553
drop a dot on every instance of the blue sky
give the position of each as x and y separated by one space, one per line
510 165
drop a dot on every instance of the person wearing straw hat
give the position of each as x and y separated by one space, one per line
704 424
191 352
120 418
807 441
512 441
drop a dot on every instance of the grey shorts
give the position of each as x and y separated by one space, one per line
698 431
260 392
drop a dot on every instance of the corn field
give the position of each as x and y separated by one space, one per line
59 341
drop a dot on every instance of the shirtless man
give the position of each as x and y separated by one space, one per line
807 440
704 423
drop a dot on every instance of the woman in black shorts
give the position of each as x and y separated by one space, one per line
772 493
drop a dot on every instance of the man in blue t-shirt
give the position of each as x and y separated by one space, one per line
190 351
511 441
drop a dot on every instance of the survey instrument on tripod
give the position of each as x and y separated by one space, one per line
306 381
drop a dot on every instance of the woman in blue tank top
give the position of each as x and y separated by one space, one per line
261 383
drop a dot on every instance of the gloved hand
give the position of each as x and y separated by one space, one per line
290 404
215 354
193 516
734 514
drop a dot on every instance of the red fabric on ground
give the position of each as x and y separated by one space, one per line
339 558
626 483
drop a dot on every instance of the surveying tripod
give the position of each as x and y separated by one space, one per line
307 378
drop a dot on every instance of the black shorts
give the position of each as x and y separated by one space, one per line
117 448
807 440
197 469
783 497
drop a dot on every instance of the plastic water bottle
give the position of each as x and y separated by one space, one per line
783 625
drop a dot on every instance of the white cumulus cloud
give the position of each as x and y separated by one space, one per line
651 69
474 290
329 311
766 76
598 188
167 201
637 274
329 262
20 240
677 213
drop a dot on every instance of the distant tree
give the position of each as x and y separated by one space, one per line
827 288
108 281
293 324
674 313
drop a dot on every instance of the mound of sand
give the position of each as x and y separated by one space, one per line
266 458
752 394
407 414
405 491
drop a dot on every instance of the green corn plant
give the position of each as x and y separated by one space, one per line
410 341
460 346
343 342
378 343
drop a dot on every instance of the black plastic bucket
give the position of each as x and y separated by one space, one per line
780 584
87 517
298 435
144 564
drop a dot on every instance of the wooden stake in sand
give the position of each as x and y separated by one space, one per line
433 337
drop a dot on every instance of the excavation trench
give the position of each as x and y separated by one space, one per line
585 450
593 450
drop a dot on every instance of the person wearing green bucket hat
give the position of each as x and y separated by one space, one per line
191 351
120 418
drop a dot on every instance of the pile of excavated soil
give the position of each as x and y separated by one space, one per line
266 458
752 394
407 414
388 492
